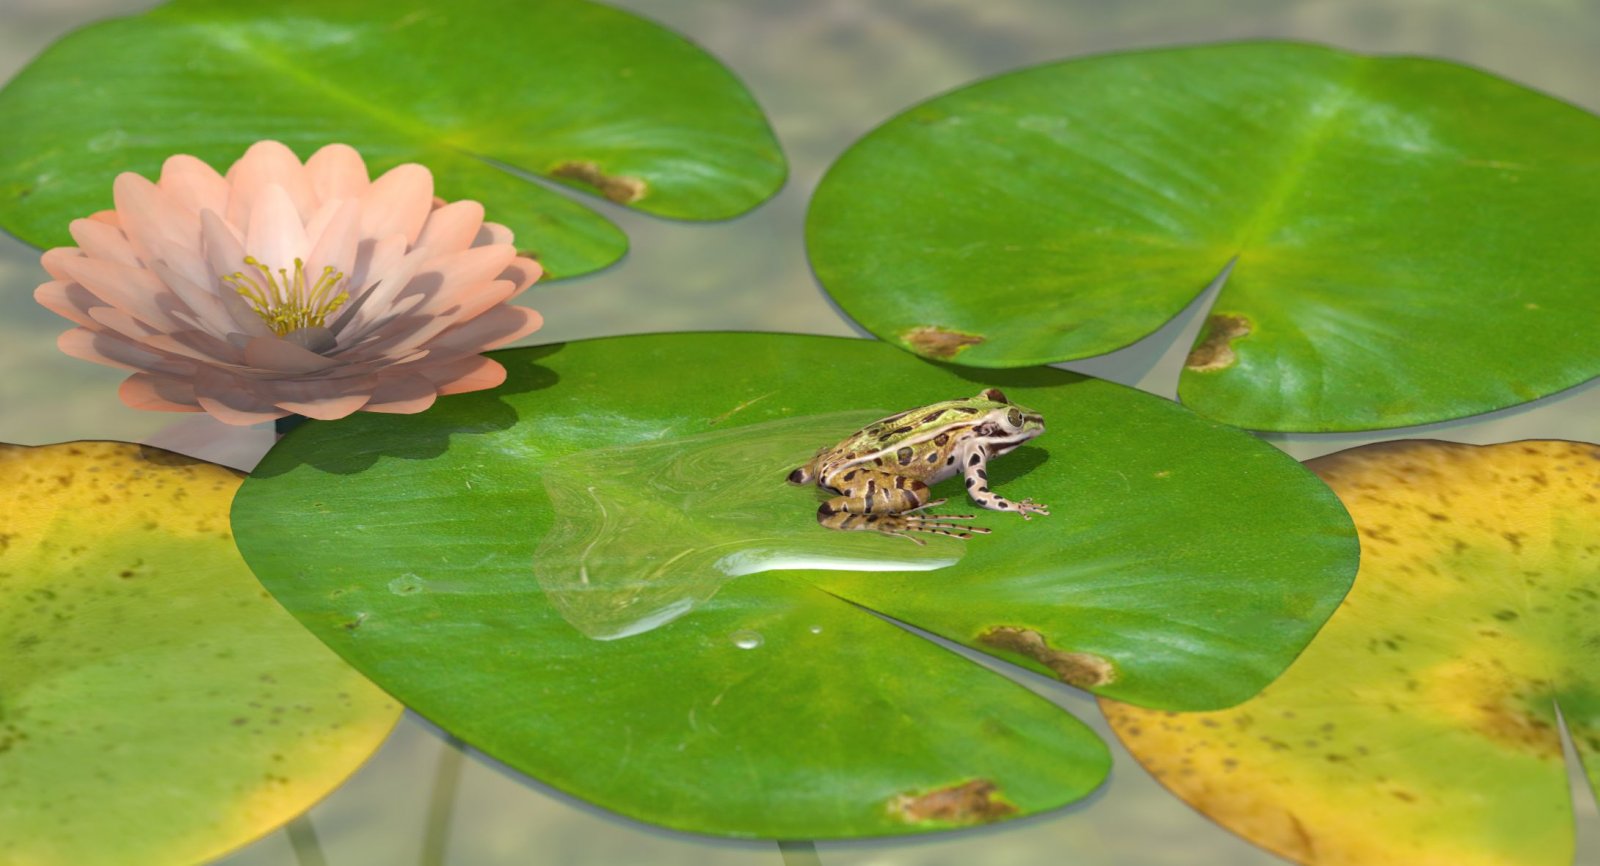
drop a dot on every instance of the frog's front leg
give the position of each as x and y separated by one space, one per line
883 502
976 469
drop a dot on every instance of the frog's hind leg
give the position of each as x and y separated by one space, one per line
881 502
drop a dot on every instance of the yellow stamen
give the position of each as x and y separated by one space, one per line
284 301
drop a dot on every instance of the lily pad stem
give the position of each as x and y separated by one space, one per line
446 779
303 839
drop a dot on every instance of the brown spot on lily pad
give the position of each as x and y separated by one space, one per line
1079 669
619 188
1215 349
974 802
935 342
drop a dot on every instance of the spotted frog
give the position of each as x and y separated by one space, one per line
881 472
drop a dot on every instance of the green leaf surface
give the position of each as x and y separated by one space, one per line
1411 239
1421 726
590 96
156 706
778 705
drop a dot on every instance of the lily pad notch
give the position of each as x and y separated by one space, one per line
1408 237
583 94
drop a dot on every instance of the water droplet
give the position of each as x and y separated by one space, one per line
816 629
406 584
746 639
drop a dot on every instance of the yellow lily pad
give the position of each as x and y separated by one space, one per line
1420 726
156 705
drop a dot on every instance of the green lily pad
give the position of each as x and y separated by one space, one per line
157 706
773 702
584 94
1420 726
1409 238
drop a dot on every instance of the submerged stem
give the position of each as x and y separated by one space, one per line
303 839
441 806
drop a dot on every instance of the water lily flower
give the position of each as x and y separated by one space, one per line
287 288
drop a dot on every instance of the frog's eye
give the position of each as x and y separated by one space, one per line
1014 418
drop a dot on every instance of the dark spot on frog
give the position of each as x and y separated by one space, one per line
975 459
933 457
900 430
941 439
903 455
972 802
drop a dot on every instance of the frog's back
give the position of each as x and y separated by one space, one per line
881 443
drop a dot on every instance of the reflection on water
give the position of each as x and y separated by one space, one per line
643 533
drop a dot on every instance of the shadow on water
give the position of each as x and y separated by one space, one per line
352 444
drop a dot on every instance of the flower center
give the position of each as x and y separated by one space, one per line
284 301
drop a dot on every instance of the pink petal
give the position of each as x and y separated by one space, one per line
114 351
378 303
374 258
135 290
231 400
149 215
276 236
469 374
202 347
335 245
522 271
97 240
226 256
489 296
451 228
69 300
492 233
185 260
337 172
192 184
118 322
323 399
402 395
495 327
281 356
221 244
203 308
158 393
54 258
397 203
267 163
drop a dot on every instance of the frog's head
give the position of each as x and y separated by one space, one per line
1004 425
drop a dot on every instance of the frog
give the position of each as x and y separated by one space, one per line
882 472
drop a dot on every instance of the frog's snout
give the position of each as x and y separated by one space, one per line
799 476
